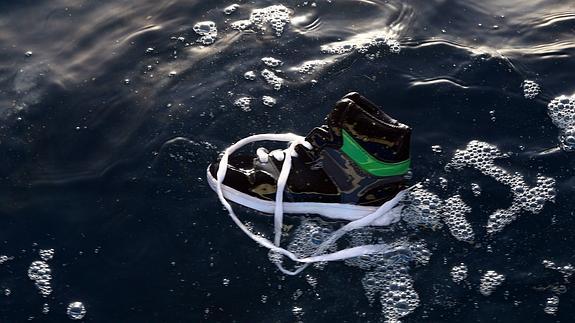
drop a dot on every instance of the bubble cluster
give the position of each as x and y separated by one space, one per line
566 270
4 259
309 67
459 273
272 62
475 189
561 110
551 305
268 101
362 43
272 79
307 238
423 208
277 16
41 274
231 8
244 103
46 254
76 310
312 281
489 282
481 156
394 285
454 211
45 308
208 32
250 75
530 89
437 149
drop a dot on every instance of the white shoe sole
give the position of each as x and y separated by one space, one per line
335 211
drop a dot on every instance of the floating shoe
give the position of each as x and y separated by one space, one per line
354 168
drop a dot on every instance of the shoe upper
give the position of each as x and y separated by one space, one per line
360 156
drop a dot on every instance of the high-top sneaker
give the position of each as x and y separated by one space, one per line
343 170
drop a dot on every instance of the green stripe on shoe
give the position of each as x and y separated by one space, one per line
369 163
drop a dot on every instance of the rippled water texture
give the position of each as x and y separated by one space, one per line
111 110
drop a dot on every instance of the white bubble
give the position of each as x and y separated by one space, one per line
561 110
530 89
76 310
423 208
481 156
454 212
272 79
272 62
268 101
231 9
208 32
244 103
551 305
4 259
459 273
566 270
489 282
250 75
475 189
362 43
46 254
41 274
394 286
437 148
309 67
276 16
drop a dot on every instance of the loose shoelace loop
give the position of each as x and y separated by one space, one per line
286 156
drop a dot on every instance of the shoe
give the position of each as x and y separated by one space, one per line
352 168
357 161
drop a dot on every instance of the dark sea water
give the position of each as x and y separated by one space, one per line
108 120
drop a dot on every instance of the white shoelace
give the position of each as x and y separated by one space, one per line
318 255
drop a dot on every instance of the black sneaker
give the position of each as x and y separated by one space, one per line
342 170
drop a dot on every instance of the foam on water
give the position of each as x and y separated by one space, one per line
272 62
394 286
272 79
362 43
46 254
459 273
250 75
41 274
208 32
530 89
565 270
268 101
307 238
551 305
454 215
309 67
231 8
423 209
481 156
4 259
489 282
561 110
244 103
475 189
276 17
